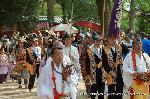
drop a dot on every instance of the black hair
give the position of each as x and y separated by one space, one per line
66 36
105 41
53 50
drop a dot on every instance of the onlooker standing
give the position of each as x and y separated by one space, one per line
3 65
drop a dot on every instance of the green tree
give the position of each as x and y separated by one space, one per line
136 18
82 10
57 10
22 13
50 10
43 9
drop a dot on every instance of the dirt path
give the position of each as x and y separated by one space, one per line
10 90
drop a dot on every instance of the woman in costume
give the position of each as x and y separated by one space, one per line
136 71
3 65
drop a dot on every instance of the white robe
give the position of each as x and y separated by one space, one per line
45 84
75 54
128 69
75 77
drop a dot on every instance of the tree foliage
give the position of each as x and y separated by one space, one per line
22 13
82 9
142 23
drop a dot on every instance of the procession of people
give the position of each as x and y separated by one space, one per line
57 65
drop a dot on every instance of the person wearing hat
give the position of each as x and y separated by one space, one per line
136 63
94 66
33 58
72 52
20 62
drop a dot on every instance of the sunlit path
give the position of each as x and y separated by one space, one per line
10 90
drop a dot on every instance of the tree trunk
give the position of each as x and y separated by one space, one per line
1 28
63 6
132 16
50 10
101 9
107 18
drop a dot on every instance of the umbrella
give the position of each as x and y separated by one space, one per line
65 27
93 26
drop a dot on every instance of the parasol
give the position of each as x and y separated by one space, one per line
65 27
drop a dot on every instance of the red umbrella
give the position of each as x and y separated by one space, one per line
93 26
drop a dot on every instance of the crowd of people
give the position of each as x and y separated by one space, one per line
59 63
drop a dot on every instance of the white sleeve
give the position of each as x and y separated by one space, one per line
73 79
147 60
66 60
43 87
76 57
127 64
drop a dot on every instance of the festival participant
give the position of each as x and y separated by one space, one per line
54 82
33 58
12 62
21 61
3 65
38 51
94 63
85 69
72 52
135 67
125 43
112 63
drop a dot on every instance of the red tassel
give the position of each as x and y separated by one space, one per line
131 93
149 88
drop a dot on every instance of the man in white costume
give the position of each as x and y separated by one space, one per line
37 50
136 62
72 52
45 84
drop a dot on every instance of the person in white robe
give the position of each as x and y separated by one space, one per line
142 61
45 84
72 52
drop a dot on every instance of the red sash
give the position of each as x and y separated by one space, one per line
57 95
139 82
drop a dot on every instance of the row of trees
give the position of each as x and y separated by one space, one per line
135 12
24 13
